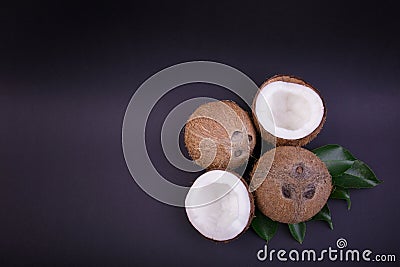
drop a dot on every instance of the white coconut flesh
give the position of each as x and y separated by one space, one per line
289 110
218 205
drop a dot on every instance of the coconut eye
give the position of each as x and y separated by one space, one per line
298 170
250 138
238 153
237 136
286 191
310 192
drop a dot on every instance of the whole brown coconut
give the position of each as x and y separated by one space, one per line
220 135
296 187
288 111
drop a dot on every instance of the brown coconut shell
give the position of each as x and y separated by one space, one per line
281 141
296 187
220 135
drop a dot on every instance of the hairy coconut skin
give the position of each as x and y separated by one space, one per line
220 135
281 141
296 187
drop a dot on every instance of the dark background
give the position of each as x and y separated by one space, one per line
68 71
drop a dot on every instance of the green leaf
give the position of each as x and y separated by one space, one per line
298 231
358 176
338 167
341 193
324 215
333 152
264 226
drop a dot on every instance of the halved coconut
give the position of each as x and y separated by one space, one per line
289 111
219 205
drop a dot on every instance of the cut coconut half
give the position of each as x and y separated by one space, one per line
219 205
289 109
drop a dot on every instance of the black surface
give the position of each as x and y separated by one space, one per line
67 72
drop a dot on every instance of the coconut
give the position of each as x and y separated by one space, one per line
220 135
219 205
288 111
296 187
